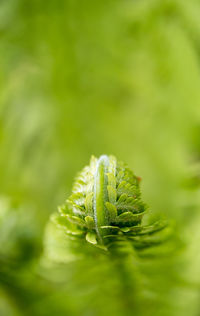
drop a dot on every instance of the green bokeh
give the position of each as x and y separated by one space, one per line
96 77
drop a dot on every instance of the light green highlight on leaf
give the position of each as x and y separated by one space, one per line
91 238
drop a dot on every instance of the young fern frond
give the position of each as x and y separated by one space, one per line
105 232
105 209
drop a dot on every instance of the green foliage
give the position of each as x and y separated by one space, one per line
83 77
106 209
101 222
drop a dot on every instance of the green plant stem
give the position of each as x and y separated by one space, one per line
100 195
124 268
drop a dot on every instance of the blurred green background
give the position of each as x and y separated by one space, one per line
95 77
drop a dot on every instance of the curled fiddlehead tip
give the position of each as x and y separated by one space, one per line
105 207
